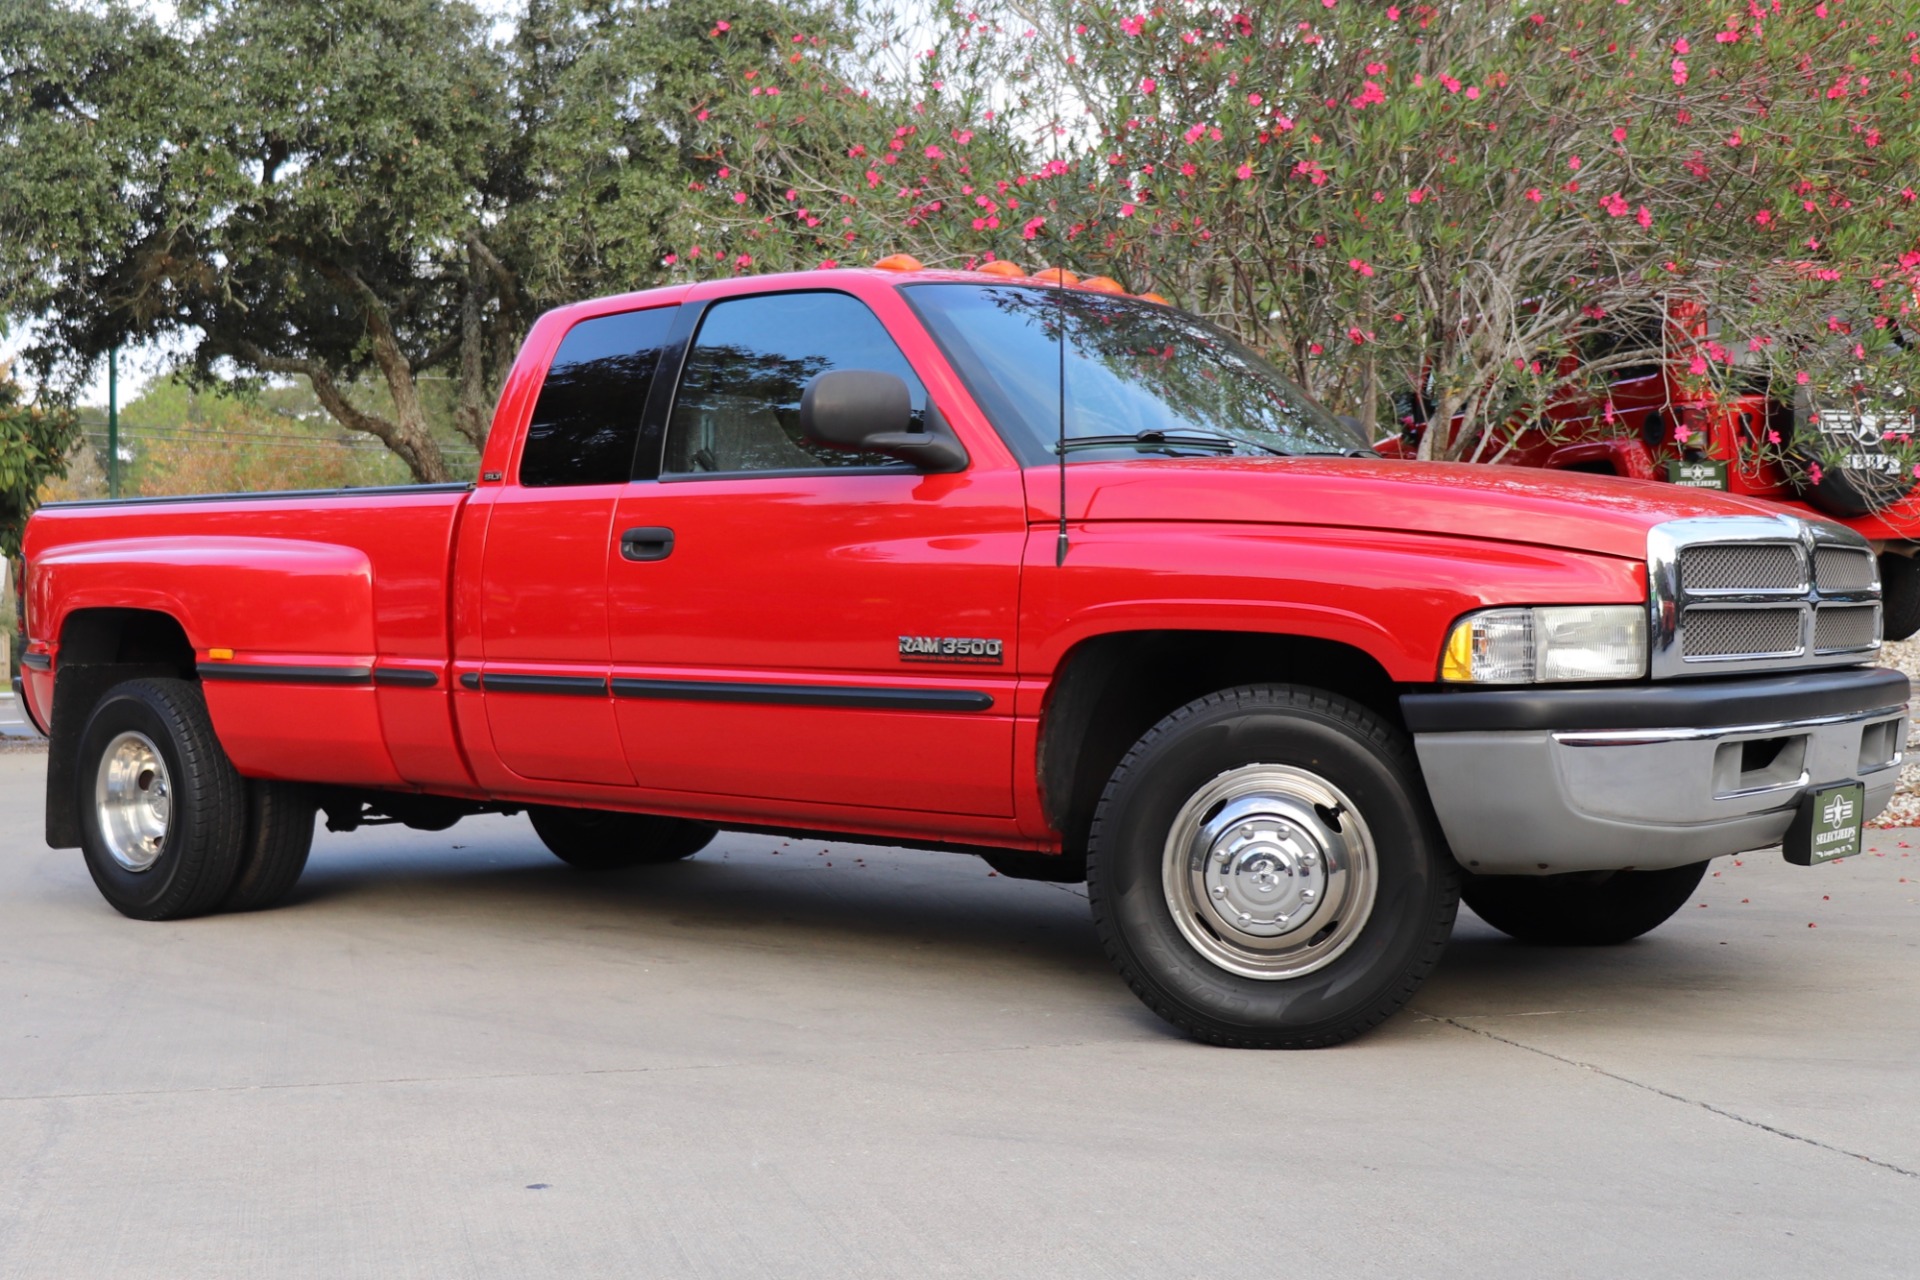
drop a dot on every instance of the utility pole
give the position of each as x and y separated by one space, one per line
113 422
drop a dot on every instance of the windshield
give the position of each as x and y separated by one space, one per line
1141 379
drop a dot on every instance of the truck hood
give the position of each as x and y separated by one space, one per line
1449 499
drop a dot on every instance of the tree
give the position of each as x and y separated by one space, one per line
34 443
291 187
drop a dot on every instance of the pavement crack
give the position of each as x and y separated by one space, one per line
1669 1094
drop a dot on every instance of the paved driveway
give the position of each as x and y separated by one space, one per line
454 1056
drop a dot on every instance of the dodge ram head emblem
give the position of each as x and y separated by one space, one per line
972 649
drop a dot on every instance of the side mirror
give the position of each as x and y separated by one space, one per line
863 411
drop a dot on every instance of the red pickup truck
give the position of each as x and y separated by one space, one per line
1061 578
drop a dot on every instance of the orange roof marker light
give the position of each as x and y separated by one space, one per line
899 262
1153 297
1057 275
1008 270
1102 284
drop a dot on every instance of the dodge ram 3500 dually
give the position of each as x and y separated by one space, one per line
1062 578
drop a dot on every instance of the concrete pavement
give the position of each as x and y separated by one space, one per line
455 1056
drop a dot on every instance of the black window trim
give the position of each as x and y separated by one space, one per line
651 457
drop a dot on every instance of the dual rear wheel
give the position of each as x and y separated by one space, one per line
169 830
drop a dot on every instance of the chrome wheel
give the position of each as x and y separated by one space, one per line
133 800
1269 871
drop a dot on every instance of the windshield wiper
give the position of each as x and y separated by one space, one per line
1167 440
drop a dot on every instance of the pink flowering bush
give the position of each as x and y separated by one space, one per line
1391 197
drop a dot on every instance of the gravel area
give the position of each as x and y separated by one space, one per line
1905 809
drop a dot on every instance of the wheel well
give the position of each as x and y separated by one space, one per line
1110 690
99 648
125 637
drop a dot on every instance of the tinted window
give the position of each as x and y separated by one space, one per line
587 420
1132 369
738 408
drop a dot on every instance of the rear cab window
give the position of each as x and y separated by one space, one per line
586 423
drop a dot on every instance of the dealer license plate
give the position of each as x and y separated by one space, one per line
1827 826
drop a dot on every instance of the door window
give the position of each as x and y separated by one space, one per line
587 420
738 406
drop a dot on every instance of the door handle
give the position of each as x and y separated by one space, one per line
646 544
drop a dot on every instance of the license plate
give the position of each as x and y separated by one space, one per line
1827 826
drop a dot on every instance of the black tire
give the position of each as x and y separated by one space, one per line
1900 596
1051 868
1584 909
279 837
1388 950
199 851
606 840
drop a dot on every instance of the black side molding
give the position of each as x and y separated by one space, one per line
260 673
1677 704
803 695
470 680
511 682
406 677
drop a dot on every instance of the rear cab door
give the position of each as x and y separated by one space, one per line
799 632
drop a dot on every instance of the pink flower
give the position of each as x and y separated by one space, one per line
1802 378
1679 71
1355 336
670 259
934 153
1135 25
1449 83
1148 84
739 197
1254 99
1393 13
1680 45
1473 91
1574 163
1698 368
1644 217
1615 205
1244 172
1416 195
1032 228
1533 194
963 136
1362 267
1620 133
1764 217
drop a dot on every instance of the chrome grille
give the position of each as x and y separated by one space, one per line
1838 627
1843 569
1758 593
1746 633
1733 566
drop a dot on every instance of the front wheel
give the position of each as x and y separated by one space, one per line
1582 909
1265 871
607 840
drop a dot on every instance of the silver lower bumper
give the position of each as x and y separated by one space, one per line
1541 802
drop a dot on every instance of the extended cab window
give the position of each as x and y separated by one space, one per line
587 420
738 407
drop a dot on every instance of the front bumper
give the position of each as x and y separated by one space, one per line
1539 781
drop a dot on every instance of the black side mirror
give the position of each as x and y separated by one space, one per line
863 411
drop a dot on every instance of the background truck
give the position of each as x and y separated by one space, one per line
1062 578
1853 464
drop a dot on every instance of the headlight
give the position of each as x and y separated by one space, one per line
1564 642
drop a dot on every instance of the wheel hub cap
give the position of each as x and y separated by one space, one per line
1269 872
133 799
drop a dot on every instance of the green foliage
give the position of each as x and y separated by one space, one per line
34 442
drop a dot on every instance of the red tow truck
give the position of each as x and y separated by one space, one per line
1062 578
